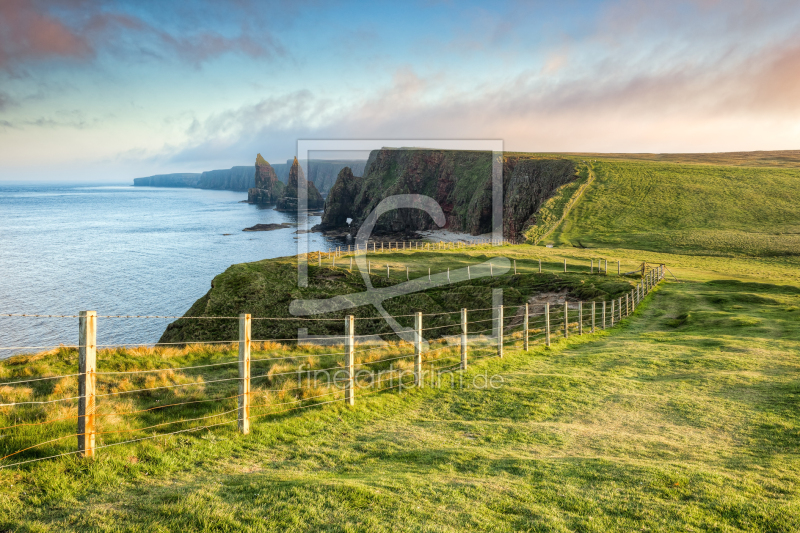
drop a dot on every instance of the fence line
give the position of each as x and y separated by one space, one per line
571 319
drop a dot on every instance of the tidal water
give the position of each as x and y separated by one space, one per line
121 250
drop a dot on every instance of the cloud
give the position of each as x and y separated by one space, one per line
38 30
26 33
5 101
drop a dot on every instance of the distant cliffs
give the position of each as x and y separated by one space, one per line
460 181
232 179
168 180
321 173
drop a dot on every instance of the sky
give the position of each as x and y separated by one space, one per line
101 90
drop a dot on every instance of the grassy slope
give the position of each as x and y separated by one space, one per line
685 417
266 288
697 209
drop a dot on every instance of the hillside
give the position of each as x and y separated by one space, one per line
459 181
267 288
772 158
700 209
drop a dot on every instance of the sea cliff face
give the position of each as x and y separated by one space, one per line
322 173
232 179
168 180
460 181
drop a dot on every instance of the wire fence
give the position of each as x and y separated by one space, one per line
107 403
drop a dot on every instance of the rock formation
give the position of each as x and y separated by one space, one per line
297 181
267 190
460 181
321 171
338 204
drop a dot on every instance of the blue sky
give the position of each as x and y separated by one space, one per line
115 90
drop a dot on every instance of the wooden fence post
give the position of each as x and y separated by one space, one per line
525 326
349 359
500 331
565 265
387 270
547 324
244 373
627 305
580 318
87 366
612 313
566 319
418 350
594 312
604 314
515 267
463 339
620 307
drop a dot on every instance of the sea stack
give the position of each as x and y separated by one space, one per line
297 180
268 189
341 199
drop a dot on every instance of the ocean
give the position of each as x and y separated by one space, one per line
121 250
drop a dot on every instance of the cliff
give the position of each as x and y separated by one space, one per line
267 190
232 179
296 180
460 181
338 204
322 172
168 180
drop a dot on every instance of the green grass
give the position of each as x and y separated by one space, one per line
266 288
700 209
685 417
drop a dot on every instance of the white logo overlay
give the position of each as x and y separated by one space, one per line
377 296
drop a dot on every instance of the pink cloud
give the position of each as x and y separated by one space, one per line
28 33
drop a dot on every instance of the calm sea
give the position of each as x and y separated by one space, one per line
121 250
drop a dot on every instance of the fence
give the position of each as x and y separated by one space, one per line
351 250
376 246
332 376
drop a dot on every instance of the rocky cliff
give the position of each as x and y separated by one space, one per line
168 180
232 179
267 190
338 204
297 180
321 171
460 181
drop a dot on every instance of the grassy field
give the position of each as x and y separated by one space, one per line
685 417
706 210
